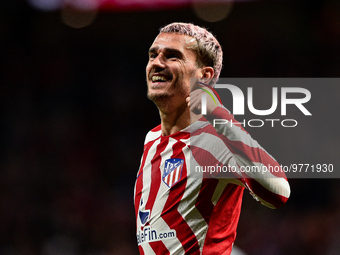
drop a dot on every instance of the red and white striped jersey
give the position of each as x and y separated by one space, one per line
180 207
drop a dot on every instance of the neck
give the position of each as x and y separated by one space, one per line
174 121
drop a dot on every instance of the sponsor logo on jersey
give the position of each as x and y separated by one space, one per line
172 171
149 234
143 214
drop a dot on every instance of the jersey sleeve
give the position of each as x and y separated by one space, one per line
259 172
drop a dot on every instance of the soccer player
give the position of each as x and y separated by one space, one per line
180 210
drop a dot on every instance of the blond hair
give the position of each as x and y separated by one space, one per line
208 50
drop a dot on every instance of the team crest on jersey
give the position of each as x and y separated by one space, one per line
172 171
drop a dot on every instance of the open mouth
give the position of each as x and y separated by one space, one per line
159 78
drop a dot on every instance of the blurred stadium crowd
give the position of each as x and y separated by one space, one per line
73 116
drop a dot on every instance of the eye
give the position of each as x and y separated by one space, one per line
172 55
153 55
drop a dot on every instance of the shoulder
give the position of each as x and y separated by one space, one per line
153 134
155 129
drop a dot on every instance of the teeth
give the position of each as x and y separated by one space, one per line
159 78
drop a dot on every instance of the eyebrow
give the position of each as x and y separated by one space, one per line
167 50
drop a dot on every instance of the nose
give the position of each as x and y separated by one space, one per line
158 63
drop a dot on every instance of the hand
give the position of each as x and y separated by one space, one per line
194 100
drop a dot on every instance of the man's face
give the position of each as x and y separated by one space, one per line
171 65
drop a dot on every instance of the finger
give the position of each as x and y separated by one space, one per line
195 104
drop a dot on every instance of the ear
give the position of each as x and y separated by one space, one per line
207 74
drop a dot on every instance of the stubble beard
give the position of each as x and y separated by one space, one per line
163 99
